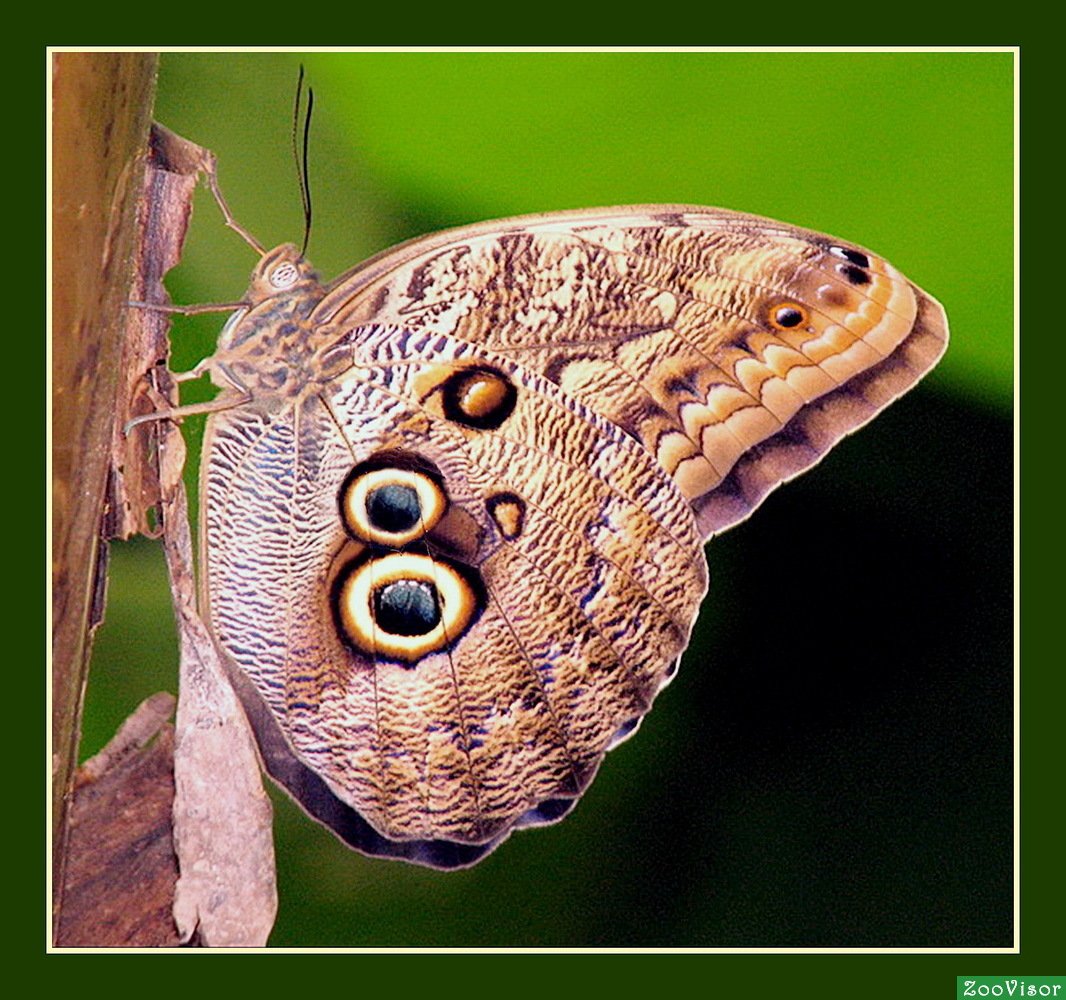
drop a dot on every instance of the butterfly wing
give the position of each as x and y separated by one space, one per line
577 567
736 349
458 567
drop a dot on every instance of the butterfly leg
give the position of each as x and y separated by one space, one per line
210 168
180 412
226 402
193 373
194 310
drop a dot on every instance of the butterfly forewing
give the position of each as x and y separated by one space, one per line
736 349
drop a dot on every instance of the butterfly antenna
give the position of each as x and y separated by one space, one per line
299 152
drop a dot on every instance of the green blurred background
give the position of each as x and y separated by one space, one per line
832 764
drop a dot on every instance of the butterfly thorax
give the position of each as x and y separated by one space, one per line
268 348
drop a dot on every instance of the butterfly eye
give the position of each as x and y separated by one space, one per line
788 316
285 275
404 606
391 506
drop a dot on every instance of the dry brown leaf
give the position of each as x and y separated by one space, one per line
225 894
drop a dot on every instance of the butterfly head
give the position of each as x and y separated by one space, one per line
271 325
281 271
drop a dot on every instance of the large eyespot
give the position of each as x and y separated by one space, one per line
391 505
479 397
404 606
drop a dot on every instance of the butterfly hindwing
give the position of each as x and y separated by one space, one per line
578 610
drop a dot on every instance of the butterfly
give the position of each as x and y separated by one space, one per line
454 502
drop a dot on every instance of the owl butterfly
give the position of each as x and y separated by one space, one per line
454 502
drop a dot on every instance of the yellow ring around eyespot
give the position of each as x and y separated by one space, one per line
431 503
356 612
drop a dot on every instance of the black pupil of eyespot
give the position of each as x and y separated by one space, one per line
855 257
393 507
407 607
787 316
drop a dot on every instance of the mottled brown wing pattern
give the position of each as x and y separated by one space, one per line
736 349
584 604
452 523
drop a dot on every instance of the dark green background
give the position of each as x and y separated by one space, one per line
832 765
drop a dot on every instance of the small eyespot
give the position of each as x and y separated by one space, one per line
285 275
788 316
478 397
404 606
855 275
390 505
508 510
853 256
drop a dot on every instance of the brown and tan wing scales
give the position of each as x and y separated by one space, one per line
736 349
452 522
582 606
